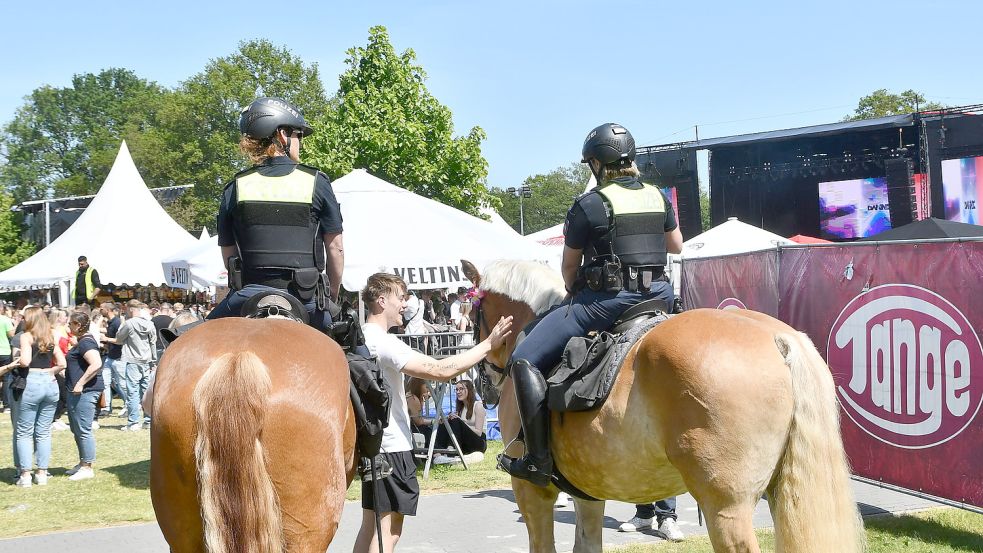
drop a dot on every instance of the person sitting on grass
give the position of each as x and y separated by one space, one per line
468 424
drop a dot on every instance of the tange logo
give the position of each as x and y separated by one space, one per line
907 366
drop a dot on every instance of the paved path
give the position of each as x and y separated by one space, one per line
479 522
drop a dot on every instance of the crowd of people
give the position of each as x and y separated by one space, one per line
55 361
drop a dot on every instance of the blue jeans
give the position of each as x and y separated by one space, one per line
14 406
137 375
660 510
588 311
81 412
231 306
34 417
116 380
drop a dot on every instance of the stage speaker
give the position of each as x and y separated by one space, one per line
900 191
688 200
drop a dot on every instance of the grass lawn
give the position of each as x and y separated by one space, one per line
120 493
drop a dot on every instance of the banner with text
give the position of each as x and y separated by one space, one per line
899 325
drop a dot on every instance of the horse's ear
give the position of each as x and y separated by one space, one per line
471 272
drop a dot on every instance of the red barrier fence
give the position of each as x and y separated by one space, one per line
899 325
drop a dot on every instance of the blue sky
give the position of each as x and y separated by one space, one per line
538 75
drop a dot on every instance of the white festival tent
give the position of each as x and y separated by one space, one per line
731 237
390 229
124 233
197 267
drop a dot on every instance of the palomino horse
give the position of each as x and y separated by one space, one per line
728 405
253 438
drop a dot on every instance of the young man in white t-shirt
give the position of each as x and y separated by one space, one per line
385 300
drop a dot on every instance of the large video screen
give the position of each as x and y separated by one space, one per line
853 208
959 186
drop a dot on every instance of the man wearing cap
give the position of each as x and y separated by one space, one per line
87 285
279 224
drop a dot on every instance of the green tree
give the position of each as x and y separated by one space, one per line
552 195
63 141
13 250
881 103
196 136
388 123
704 210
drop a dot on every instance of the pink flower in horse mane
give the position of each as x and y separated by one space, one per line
475 296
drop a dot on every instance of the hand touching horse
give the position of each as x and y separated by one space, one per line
253 438
728 405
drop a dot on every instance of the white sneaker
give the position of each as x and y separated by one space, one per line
635 524
83 473
670 530
25 480
135 427
41 478
95 425
562 500
474 458
73 470
440 459
58 426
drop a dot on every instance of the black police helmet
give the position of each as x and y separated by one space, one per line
611 144
264 116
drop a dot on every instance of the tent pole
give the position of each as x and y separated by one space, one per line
361 309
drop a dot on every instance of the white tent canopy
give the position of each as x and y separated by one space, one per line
198 266
124 233
390 229
731 237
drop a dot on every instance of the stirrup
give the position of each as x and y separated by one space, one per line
524 469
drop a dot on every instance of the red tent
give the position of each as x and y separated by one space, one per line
803 239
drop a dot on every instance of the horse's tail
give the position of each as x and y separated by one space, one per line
810 497
239 505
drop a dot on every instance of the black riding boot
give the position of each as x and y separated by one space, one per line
530 391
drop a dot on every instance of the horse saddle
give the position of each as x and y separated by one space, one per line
274 304
589 365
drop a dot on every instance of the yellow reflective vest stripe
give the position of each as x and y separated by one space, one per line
294 187
88 284
627 201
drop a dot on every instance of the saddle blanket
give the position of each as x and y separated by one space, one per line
589 367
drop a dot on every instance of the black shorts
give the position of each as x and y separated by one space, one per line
400 491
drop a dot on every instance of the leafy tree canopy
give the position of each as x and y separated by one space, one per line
386 121
552 195
63 141
881 103
13 250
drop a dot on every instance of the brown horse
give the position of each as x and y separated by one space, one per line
727 405
253 438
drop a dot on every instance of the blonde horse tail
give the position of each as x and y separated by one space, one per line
239 505
810 497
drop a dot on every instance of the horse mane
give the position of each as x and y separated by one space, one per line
530 282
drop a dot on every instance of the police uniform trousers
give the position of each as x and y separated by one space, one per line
588 311
231 306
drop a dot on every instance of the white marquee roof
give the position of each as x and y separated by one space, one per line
124 232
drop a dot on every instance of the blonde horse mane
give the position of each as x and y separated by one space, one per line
530 282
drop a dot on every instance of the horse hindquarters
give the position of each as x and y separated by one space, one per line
810 497
238 502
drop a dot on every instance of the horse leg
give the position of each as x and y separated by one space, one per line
732 529
590 521
536 505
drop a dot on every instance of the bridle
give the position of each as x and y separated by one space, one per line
486 367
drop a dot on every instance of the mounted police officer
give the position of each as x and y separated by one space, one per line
278 217
616 239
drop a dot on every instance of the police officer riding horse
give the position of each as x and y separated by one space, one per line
278 217
616 239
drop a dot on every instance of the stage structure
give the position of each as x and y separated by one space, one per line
839 181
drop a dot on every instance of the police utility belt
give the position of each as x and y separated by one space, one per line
612 277
304 284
